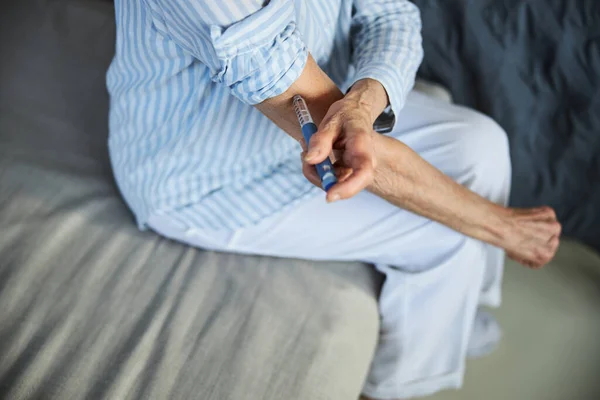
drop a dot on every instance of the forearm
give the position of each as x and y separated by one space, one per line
405 179
319 91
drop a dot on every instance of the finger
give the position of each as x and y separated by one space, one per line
554 244
545 213
321 143
533 261
342 173
359 147
557 229
310 173
336 155
525 259
543 256
549 212
361 177
360 158
339 162
528 264
304 147
550 227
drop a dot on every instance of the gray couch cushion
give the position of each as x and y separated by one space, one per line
92 308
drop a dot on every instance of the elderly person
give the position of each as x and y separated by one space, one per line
202 144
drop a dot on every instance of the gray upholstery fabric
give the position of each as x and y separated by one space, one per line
92 308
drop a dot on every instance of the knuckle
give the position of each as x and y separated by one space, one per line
365 134
539 262
361 132
549 211
317 138
321 139
306 170
338 103
329 123
558 228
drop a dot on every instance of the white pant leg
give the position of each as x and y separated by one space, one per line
433 275
472 149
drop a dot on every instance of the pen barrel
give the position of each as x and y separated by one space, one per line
326 173
324 168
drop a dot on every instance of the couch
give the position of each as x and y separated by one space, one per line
92 308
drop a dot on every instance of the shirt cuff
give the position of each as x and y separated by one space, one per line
262 55
390 77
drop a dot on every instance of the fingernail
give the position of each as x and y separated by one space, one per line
334 197
311 154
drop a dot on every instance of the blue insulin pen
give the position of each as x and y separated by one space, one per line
325 168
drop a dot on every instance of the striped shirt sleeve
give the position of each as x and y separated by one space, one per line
256 51
386 39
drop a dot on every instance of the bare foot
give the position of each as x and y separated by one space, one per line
532 236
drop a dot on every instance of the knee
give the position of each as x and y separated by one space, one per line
484 145
485 158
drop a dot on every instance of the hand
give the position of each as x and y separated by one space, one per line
533 236
346 133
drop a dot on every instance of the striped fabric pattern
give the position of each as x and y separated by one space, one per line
184 136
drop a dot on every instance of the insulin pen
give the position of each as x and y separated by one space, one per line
325 168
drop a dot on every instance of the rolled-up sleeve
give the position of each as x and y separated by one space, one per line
386 38
256 51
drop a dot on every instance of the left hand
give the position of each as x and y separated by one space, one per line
346 132
533 235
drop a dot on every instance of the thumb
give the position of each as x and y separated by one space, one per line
321 143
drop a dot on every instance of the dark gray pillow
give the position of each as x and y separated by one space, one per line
53 97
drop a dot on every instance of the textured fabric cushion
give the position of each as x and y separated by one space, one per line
533 66
92 308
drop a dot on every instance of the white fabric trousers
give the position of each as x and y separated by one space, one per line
435 277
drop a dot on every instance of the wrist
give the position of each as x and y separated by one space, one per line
498 225
385 177
371 94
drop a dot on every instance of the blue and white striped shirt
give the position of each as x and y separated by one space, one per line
183 132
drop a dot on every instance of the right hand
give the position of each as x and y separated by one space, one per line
533 236
347 131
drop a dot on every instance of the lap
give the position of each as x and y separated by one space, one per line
465 145
364 228
434 274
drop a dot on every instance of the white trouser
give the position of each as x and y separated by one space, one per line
435 277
